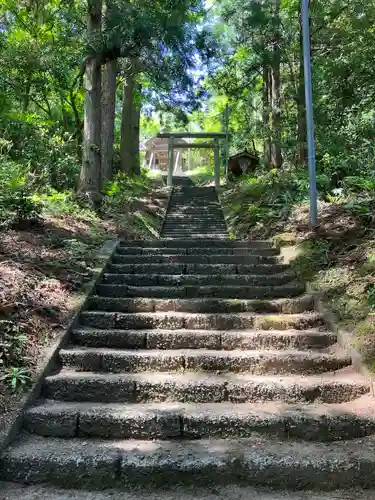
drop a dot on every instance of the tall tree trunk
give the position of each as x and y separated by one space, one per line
136 118
135 129
266 115
126 122
275 74
301 104
90 173
108 119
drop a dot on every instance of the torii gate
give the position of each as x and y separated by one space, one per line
172 145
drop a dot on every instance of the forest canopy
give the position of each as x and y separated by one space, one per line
83 81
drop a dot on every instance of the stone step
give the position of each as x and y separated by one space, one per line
195 216
163 251
202 235
320 422
195 228
203 360
187 201
203 339
194 224
195 198
259 460
176 320
191 200
188 231
200 280
213 217
200 232
334 387
202 305
198 269
195 237
191 244
194 259
291 289
199 213
13 491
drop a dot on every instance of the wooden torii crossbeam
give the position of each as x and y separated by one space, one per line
172 145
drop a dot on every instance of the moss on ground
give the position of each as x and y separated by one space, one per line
337 260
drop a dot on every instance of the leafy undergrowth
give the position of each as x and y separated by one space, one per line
338 259
202 176
48 256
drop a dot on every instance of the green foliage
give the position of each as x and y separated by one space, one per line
16 202
365 342
313 257
257 202
13 346
13 342
17 378
57 203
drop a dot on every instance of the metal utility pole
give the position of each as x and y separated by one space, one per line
226 143
309 112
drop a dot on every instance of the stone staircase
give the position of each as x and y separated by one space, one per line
194 212
199 361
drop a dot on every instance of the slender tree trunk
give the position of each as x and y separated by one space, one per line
126 122
135 129
108 119
301 104
275 74
90 173
266 114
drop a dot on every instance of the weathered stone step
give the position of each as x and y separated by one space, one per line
335 387
197 224
163 251
194 229
184 251
284 305
177 320
211 212
202 235
190 244
191 218
291 289
201 280
198 269
177 230
320 422
190 201
194 215
194 259
259 460
255 362
201 206
187 217
14 491
189 232
203 339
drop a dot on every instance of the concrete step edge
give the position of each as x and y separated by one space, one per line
198 339
257 362
320 422
257 461
336 387
178 320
